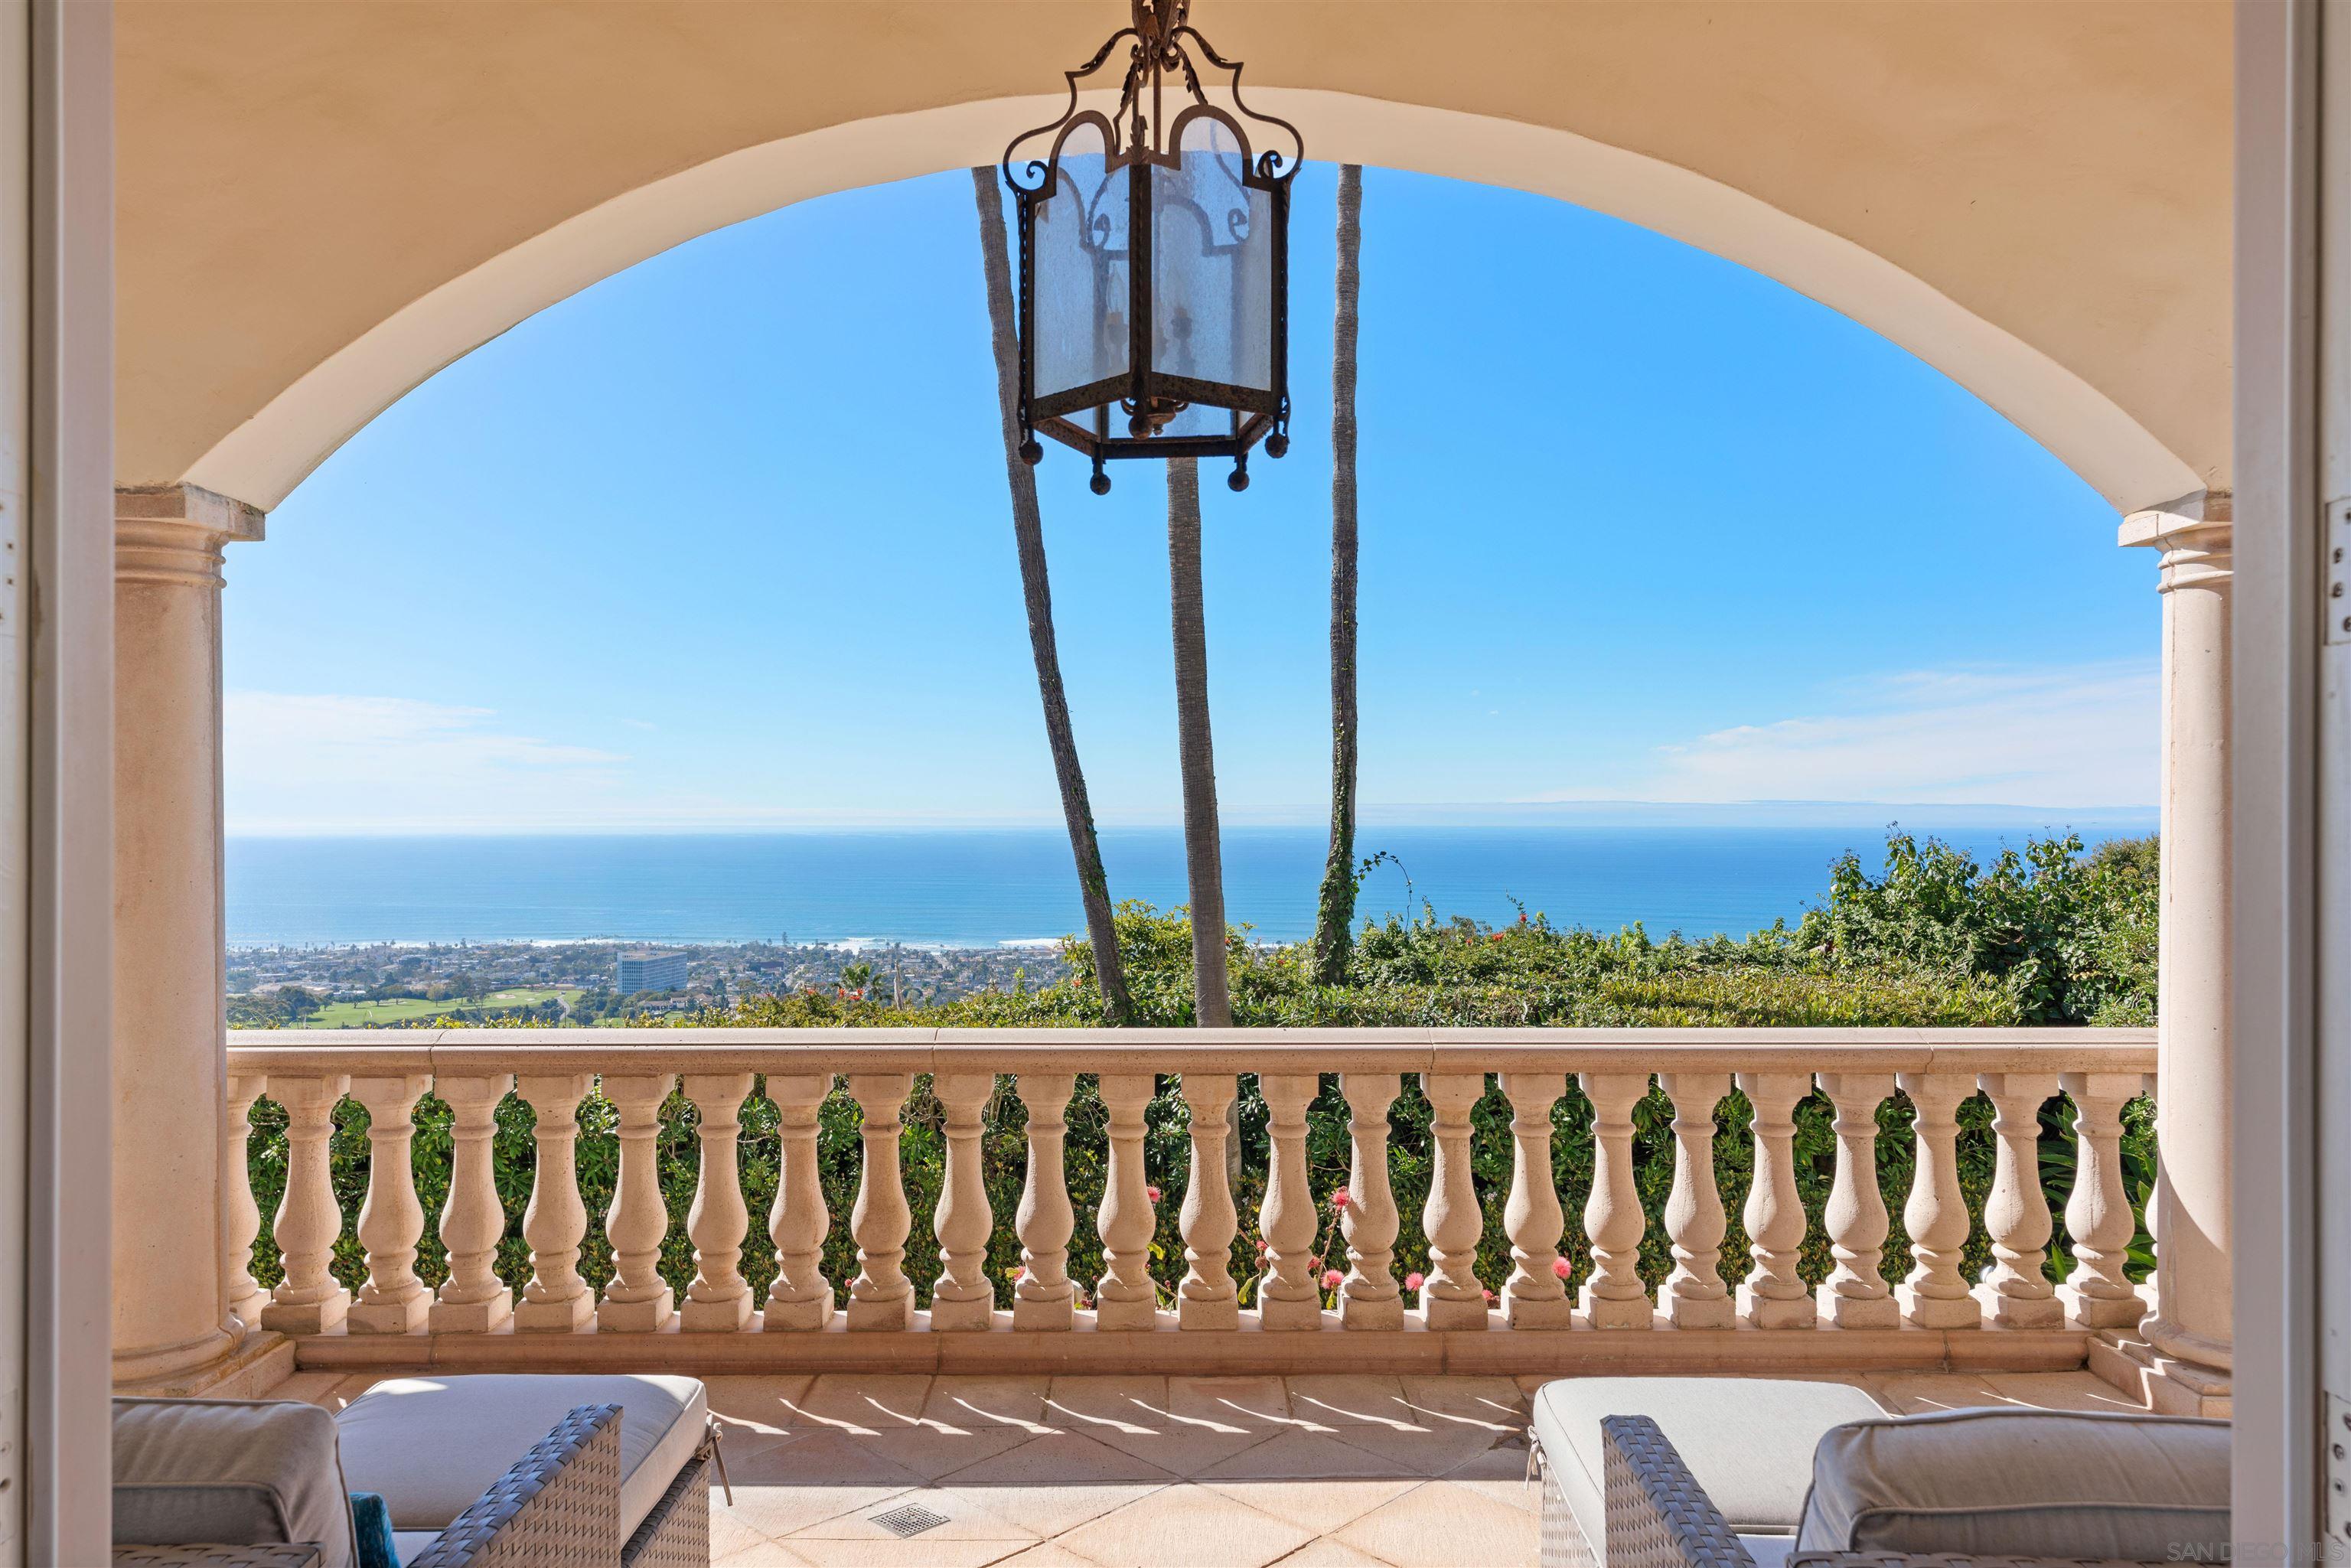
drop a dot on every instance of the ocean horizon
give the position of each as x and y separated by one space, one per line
994 887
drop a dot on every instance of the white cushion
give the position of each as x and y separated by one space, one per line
253 1473
1747 1440
2023 1483
408 1545
431 1446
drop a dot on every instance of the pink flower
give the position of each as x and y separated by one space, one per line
1558 1267
1312 1264
1152 1193
1489 1297
1340 1198
1412 1281
1261 1249
1331 1279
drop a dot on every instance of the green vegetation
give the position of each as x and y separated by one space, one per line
2047 935
294 1008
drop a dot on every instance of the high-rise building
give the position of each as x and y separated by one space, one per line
643 969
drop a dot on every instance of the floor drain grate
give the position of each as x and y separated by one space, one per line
912 1519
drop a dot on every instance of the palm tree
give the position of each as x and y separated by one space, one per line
1037 593
1335 910
1212 1006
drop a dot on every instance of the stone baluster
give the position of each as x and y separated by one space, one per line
1855 1295
555 1300
2098 1294
1936 1295
718 1299
1533 1297
1614 1297
2016 1211
308 1301
1207 1298
800 1298
1451 1296
1044 1298
880 1297
1126 1297
637 1299
473 1299
1773 1295
240 1216
1370 1297
1288 1296
963 1298
392 1221
1694 1295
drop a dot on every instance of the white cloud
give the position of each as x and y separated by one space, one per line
323 763
2069 737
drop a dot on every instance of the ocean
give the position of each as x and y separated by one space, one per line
978 888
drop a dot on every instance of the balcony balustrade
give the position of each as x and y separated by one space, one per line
1299 1313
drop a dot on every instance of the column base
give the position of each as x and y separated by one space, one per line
568 1315
2163 1383
247 1308
159 1366
1370 1312
248 1369
2101 1311
1451 1312
1858 1311
639 1317
471 1317
1702 1312
799 1317
1939 1312
2020 1311
1209 1312
1776 1312
723 1315
1141 1313
1610 1312
891 1312
308 1318
390 1317
946 1316
1045 1315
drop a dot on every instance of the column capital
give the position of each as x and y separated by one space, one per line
2192 532
175 533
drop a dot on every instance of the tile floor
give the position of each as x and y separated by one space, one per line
1339 1471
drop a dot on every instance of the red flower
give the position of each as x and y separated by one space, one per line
1152 1193
1558 1267
1496 936
1261 1249
1340 1199
1332 1278
1489 1297
1412 1281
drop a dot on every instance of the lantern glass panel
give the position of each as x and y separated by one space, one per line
1082 290
1212 267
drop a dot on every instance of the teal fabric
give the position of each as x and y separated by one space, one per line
372 1521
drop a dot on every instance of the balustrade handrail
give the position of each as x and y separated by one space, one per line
1235 1051
2010 1282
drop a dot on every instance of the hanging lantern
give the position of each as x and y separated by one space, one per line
1154 261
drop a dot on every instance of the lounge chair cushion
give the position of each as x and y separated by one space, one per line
1747 1440
431 1446
254 1473
2011 1483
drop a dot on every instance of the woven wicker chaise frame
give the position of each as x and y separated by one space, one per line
1659 1517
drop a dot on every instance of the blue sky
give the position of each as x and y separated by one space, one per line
723 542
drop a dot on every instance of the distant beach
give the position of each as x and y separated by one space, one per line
986 888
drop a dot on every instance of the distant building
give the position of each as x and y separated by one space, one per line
642 969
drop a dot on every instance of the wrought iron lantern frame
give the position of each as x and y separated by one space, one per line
1138 137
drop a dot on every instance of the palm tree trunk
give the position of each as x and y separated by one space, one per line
1212 1005
1037 595
1334 912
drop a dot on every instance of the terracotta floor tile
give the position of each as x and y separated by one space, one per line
1300 1456
762 1553
863 1402
985 1404
930 1452
753 1412
1236 1404
1094 1405
1047 1510
1328 1553
1444 1522
1416 1451
2062 1391
1318 1507
1058 1459
1046 1555
890 1552
1491 1402
808 1477
967 1518
1340 1399
1909 1393
1183 1525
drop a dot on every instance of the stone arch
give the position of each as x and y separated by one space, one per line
266 456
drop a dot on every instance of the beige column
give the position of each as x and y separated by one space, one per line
172 1315
2189 1333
